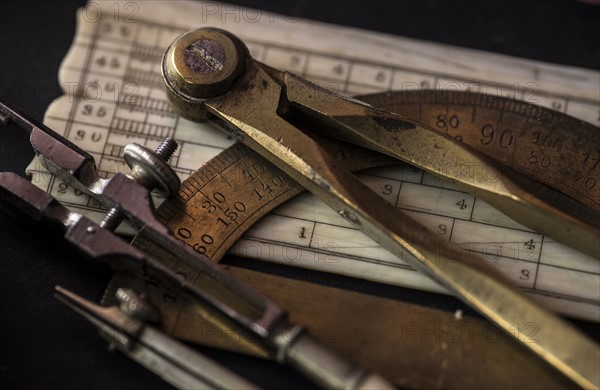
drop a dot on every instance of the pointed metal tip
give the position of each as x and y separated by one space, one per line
107 319
81 305
72 300
60 290
65 295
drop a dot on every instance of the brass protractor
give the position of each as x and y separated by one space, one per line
226 196
546 145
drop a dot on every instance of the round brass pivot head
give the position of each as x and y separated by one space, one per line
203 63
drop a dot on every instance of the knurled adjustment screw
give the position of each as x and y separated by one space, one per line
150 169
135 305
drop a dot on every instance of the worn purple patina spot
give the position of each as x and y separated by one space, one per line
205 56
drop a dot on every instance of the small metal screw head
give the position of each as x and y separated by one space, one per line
134 305
151 169
203 63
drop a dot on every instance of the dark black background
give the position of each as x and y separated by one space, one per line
42 343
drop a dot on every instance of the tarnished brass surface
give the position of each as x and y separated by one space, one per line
414 346
516 195
546 145
203 67
260 110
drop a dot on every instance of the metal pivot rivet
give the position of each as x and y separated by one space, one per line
151 170
203 63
